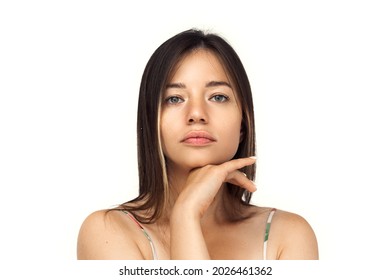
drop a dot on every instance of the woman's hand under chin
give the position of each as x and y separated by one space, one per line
203 184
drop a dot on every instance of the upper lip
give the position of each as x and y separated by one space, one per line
198 134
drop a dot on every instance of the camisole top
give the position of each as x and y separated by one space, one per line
154 252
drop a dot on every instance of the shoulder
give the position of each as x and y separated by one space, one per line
107 234
292 237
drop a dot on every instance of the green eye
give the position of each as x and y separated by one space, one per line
173 100
220 98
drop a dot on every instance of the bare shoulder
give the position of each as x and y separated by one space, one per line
107 234
292 237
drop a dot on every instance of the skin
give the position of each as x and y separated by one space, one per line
199 97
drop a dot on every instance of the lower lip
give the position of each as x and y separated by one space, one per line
198 141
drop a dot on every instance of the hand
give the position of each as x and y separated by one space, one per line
204 183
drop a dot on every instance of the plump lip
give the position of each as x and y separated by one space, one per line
198 138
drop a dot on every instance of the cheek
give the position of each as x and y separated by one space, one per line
164 134
232 134
167 131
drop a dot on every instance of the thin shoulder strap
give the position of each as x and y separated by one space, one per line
267 230
144 232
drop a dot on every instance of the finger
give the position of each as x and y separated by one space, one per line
239 179
239 163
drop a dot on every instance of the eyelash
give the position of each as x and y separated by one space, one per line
168 100
226 98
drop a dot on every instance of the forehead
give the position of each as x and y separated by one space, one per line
198 62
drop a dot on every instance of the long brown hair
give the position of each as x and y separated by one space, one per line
153 179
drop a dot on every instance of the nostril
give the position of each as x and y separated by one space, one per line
202 120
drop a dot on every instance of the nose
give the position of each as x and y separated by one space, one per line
197 112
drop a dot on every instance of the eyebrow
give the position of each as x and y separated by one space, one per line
176 85
208 85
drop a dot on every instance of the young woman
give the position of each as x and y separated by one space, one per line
196 147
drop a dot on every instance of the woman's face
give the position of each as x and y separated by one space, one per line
200 114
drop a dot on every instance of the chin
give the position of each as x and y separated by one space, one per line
197 163
195 159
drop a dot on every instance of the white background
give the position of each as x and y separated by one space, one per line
69 79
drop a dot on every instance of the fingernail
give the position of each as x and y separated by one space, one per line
254 189
253 157
254 185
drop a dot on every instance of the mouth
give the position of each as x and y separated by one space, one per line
198 138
